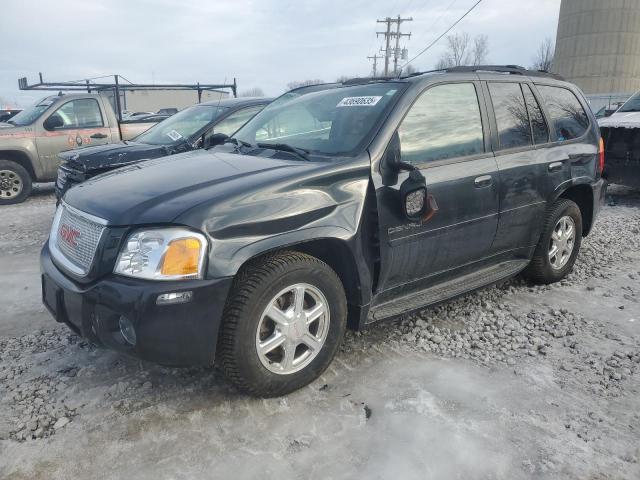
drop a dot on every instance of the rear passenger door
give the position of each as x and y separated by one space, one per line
574 151
519 126
442 134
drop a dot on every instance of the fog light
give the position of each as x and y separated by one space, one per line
127 330
174 297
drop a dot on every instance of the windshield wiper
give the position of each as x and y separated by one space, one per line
284 147
239 143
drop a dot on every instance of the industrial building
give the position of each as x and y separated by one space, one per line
598 47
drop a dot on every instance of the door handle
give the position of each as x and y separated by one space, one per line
555 167
483 181
98 135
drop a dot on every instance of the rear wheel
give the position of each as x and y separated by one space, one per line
15 183
282 325
559 243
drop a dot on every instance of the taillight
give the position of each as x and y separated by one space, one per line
601 156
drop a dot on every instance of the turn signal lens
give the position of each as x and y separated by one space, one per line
182 257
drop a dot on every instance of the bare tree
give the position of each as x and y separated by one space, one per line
343 78
543 60
460 51
480 50
252 92
409 69
303 83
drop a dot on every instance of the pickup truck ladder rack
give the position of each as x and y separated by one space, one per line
117 86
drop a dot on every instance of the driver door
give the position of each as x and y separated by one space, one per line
82 125
445 134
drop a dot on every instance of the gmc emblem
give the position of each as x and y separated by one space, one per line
69 235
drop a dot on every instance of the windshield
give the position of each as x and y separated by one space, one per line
30 114
631 105
181 126
329 122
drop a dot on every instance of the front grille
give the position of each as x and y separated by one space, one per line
76 238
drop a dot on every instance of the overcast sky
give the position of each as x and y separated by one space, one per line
262 43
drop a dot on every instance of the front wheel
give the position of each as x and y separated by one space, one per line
282 325
15 183
559 243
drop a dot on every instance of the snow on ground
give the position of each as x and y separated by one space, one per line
514 381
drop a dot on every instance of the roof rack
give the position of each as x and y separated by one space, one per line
510 69
360 80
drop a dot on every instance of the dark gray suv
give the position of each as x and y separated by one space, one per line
344 206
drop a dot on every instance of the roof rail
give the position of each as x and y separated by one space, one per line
510 69
361 80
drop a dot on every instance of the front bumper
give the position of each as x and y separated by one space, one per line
178 334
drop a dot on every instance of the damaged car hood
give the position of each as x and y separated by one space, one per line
159 190
114 155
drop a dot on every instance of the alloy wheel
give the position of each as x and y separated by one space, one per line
292 329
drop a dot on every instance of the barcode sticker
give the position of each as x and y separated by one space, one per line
358 101
173 135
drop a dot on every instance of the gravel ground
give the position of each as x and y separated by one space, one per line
513 381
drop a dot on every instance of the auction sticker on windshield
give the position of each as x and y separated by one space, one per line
173 135
358 101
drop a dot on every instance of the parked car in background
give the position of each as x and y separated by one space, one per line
8 113
167 111
31 141
621 135
183 131
344 206
135 115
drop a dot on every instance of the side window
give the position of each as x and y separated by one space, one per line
511 115
233 122
568 117
538 124
443 123
82 113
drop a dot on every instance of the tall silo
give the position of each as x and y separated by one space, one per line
598 45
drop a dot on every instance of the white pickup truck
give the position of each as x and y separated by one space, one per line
31 141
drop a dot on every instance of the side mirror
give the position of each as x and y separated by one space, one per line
53 122
392 160
215 139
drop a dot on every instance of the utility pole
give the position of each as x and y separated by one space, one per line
388 35
375 63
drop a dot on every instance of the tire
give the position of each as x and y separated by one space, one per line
545 268
15 183
270 281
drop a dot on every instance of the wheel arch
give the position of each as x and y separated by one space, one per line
581 195
21 158
338 255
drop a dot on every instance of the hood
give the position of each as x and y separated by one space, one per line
113 155
621 119
158 191
8 130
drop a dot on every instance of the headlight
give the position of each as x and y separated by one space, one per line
163 254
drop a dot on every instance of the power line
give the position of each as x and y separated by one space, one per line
375 59
443 34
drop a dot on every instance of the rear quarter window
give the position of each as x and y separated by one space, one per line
567 115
